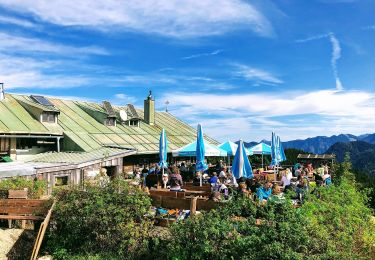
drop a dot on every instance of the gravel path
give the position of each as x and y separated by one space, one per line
16 243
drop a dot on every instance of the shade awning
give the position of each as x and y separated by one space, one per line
231 148
261 148
190 150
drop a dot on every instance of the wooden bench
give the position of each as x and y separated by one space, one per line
183 203
167 193
23 209
197 188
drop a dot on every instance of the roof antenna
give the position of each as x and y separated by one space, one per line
166 105
2 95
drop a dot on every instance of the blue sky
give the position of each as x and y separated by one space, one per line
241 68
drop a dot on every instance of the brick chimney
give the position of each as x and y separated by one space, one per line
149 110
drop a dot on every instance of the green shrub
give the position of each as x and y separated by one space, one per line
101 221
36 188
334 224
231 232
339 222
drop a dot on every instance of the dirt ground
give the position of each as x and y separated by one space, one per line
16 243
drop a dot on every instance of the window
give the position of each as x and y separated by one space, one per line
61 180
48 117
110 121
133 122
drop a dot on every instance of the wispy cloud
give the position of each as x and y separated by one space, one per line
369 27
213 53
312 38
258 76
14 44
335 56
343 111
173 18
123 99
16 21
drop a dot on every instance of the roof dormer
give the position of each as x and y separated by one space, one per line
41 108
104 114
129 116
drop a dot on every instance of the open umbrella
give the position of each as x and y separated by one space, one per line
262 149
231 149
190 150
200 152
241 165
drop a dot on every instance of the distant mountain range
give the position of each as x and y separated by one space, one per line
362 155
320 144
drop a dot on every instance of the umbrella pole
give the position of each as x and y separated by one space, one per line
201 179
162 172
262 161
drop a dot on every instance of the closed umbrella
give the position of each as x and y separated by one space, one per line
200 152
241 164
163 149
274 153
281 151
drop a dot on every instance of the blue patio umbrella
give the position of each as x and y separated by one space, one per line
262 149
241 165
190 150
281 150
231 148
200 152
274 151
163 149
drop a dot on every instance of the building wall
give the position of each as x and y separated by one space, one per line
4 146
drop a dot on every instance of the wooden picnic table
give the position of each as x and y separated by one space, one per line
195 192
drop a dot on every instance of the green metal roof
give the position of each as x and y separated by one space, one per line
80 157
83 132
15 119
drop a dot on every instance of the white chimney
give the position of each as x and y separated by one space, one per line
2 96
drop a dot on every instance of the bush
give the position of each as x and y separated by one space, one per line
333 223
231 232
339 222
101 221
36 188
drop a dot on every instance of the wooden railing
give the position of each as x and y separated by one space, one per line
41 233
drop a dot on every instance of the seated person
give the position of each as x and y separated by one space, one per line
298 171
242 189
286 178
277 195
213 180
197 179
254 185
231 180
216 196
264 192
165 179
327 179
175 180
222 175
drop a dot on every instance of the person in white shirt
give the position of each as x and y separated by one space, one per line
287 176
222 175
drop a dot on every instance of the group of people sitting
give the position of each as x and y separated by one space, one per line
224 184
